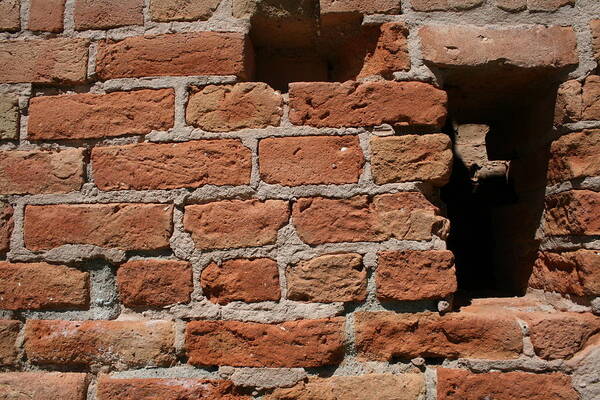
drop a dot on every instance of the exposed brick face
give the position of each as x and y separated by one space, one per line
46 15
575 212
574 156
574 272
578 101
103 14
9 331
548 5
43 385
9 117
182 10
6 226
445 5
10 18
372 7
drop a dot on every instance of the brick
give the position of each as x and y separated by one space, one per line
118 225
537 46
9 332
575 212
36 172
248 280
595 27
591 98
511 5
43 386
224 108
104 14
235 223
455 384
578 101
328 278
362 7
41 286
166 389
10 17
409 386
154 283
9 117
411 158
574 156
94 116
415 275
46 15
404 216
303 343
576 272
173 165
182 10
445 5
310 160
43 61
323 104
181 54
548 5
383 336
116 344
6 226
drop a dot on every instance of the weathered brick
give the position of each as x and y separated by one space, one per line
117 344
591 98
9 117
456 384
154 283
9 331
576 212
303 343
576 272
235 223
382 336
10 17
574 156
408 386
548 5
595 27
537 46
46 15
223 108
89 116
415 275
166 389
310 160
104 14
578 101
43 386
328 278
43 61
323 104
404 216
444 5
6 226
118 225
173 165
511 5
41 286
198 53
359 6
182 10
248 280
411 158
33 172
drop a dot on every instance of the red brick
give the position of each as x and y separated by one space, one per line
415 275
455 384
574 156
41 286
43 61
323 104
363 7
104 14
383 336
578 101
548 5
198 53
166 389
404 216
9 332
575 212
186 10
116 344
90 116
173 165
303 343
119 225
575 272
34 172
154 283
591 98
511 5
46 15
310 160
235 223
6 226
10 17
537 46
43 386
444 5
595 27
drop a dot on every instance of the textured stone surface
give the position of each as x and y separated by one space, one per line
116 344
591 98
548 5
6 226
9 117
578 101
310 160
104 14
154 283
170 166
42 286
595 27
198 53
363 7
415 275
119 225
235 223
34 172
404 216
182 10
247 280
574 156
303 343
328 278
43 61
43 386
555 272
445 5
576 212
46 15
89 116
324 104
411 158
10 18
585 365
511 5
9 331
